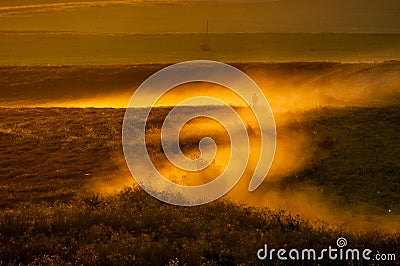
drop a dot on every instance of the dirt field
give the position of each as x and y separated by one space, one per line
66 195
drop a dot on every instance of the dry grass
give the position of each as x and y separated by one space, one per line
51 214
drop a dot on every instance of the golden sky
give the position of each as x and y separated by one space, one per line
149 16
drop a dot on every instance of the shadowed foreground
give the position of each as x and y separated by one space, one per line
133 228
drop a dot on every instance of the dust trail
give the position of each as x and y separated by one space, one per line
291 89
303 86
111 185
119 100
287 86
295 153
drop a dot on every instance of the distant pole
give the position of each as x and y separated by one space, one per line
207 31
205 46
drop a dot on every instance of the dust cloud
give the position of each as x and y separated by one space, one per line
295 153
291 90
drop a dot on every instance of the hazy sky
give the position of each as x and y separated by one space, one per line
381 16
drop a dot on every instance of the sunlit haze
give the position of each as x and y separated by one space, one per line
189 16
